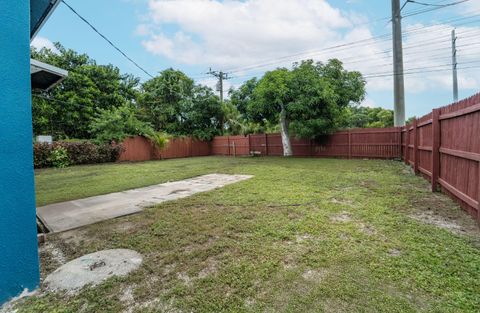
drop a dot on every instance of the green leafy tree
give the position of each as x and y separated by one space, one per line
173 103
118 123
311 99
87 88
241 97
364 117
164 98
204 116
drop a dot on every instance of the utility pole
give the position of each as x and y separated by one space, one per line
221 77
398 80
454 66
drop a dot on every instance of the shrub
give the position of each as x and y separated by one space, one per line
41 153
80 152
159 139
59 157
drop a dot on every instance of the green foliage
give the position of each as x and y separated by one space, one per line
315 97
363 117
118 123
87 88
159 139
163 99
241 97
78 152
173 104
410 120
59 158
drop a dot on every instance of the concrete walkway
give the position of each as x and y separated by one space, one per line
68 215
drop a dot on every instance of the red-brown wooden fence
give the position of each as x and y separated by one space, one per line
140 149
356 143
444 147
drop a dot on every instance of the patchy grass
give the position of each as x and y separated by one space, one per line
303 235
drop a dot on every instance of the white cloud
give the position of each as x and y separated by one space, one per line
237 34
369 103
42 42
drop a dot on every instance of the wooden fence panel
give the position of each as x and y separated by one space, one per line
136 149
274 145
446 150
177 148
239 145
336 145
258 143
220 146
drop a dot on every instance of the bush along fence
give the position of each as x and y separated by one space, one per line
62 154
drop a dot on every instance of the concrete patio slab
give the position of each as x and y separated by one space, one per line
68 215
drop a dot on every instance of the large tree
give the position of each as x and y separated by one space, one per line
310 100
67 110
171 102
164 98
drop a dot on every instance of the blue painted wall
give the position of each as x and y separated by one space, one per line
18 243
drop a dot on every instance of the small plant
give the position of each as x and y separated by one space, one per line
159 139
59 158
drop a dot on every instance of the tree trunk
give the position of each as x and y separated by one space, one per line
287 147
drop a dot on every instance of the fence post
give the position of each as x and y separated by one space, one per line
249 144
415 146
228 145
191 147
266 144
400 143
478 196
436 148
407 144
349 144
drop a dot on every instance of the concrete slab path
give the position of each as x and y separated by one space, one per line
68 215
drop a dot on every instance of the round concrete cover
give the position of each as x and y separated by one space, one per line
93 268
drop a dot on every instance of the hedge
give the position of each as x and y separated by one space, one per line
78 153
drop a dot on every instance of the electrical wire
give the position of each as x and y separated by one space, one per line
106 39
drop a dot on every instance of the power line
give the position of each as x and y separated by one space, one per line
364 42
106 39
436 4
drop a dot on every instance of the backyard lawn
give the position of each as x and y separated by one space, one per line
303 235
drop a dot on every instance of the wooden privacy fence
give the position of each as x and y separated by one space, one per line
141 149
444 147
358 143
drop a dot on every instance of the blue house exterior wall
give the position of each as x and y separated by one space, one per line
19 266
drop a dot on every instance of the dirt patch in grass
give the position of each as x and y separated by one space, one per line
343 217
367 229
210 268
394 252
438 220
314 275
438 210
341 201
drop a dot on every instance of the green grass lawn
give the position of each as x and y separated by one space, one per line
303 235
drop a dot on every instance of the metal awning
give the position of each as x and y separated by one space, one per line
40 11
45 76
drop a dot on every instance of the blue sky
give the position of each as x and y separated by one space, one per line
251 36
